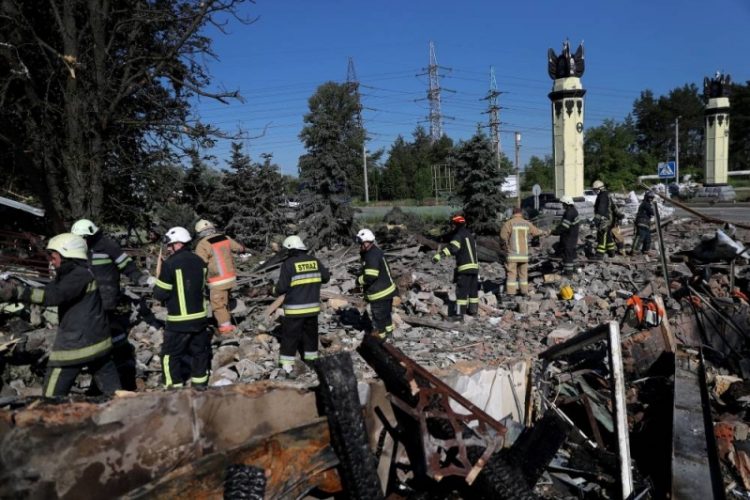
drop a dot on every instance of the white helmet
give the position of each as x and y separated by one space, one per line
567 200
84 227
69 246
294 243
365 235
177 235
202 225
597 184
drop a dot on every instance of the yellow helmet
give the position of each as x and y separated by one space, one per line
203 225
69 246
566 292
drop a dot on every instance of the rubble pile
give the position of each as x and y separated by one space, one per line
506 327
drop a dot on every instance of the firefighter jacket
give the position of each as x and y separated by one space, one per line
375 279
569 225
216 251
464 247
83 334
605 208
515 236
107 262
644 215
180 285
299 279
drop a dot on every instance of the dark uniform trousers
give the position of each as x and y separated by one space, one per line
642 238
299 333
467 293
176 348
569 255
60 379
381 316
123 352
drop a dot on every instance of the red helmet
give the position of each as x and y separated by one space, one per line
458 219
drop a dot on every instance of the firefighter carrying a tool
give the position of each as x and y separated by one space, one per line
83 339
187 339
466 275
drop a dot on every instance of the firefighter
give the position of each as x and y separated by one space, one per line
83 339
216 251
568 231
186 336
377 284
108 262
299 280
514 236
466 276
643 224
606 215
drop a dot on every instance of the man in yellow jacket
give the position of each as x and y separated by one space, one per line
514 236
216 251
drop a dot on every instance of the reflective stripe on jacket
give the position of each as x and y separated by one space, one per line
464 247
300 278
515 235
375 278
216 251
569 226
108 261
83 334
181 285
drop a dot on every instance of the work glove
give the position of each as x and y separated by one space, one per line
436 258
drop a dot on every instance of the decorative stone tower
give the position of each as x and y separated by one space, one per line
567 119
716 93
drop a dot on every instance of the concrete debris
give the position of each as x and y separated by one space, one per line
521 361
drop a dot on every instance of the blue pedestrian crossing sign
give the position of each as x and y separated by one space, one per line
665 169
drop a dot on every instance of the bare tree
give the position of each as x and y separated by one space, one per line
95 90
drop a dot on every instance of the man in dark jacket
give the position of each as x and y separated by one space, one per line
181 285
83 339
108 262
464 247
605 217
568 231
643 224
377 284
300 278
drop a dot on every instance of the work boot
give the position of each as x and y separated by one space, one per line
597 256
473 309
456 318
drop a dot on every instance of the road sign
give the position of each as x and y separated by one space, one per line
665 169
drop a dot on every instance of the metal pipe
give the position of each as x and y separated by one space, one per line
621 416
662 249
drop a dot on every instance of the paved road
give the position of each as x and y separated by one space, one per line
732 213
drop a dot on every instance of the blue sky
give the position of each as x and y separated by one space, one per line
295 45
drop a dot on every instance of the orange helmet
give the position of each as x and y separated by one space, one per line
458 219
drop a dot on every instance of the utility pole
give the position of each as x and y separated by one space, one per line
518 169
433 95
493 110
351 80
677 150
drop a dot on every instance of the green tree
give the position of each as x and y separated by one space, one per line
478 182
739 131
333 139
99 89
611 155
199 183
539 171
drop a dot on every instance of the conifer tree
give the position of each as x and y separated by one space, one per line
478 180
333 140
